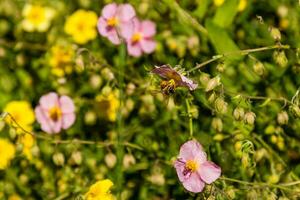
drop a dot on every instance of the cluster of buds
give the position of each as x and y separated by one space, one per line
280 58
259 68
239 114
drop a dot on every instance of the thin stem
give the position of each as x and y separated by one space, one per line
190 117
240 52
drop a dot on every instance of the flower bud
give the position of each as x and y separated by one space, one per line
275 33
282 118
76 157
218 137
221 106
249 118
204 78
212 84
217 124
95 81
130 89
110 160
128 160
220 67
193 42
295 110
238 113
273 139
280 58
58 159
107 74
273 179
90 118
259 68
212 97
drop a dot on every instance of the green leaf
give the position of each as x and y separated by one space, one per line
226 13
201 9
265 102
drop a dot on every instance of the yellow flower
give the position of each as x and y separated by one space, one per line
14 197
218 2
109 104
242 5
61 60
81 25
36 18
100 190
22 112
7 152
27 141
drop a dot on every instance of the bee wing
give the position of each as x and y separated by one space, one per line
167 72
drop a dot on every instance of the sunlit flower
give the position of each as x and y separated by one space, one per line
242 5
100 190
171 75
193 168
109 105
81 25
55 113
113 18
219 2
27 140
7 153
36 18
22 113
61 58
141 39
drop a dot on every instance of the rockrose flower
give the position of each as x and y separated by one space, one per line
114 18
100 190
193 168
140 40
55 113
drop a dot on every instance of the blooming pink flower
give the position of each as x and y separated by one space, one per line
193 169
168 73
140 40
114 18
55 113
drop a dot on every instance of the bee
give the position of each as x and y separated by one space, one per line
168 87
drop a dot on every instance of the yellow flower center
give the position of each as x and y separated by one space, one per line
112 21
36 15
136 37
191 165
55 113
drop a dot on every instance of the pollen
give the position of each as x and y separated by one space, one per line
136 37
112 21
191 165
55 113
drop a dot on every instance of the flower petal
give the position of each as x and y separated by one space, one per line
209 172
148 46
134 49
42 118
180 166
109 10
126 12
113 37
167 72
126 29
68 120
66 104
49 100
192 150
101 25
187 83
148 28
194 183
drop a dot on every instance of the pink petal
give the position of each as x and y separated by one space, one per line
102 27
188 83
194 183
136 25
49 100
113 37
191 150
180 166
126 29
68 120
66 104
209 172
42 118
126 12
109 10
148 46
167 72
56 126
148 28
134 50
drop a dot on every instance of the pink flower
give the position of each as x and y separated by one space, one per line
55 113
193 169
140 39
114 18
169 73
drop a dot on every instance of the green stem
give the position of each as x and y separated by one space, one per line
190 117
241 52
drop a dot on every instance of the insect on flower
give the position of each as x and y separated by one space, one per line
172 79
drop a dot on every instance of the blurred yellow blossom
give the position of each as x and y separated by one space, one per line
27 141
109 104
219 2
61 59
100 190
14 197
22 113
36 18
81 25
7 152
242 5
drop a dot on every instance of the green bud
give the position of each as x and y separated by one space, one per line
107 74
275 33
282 118
217 124
238 113
58 159
90 118
249 118
95 81
76 157
204 78
221 106
130 89
128 161
259 68
280 58
110 160
212 84
221 67
212 97
295 110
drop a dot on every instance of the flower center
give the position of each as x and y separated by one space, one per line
191 165
55 113
36 15
112 21
136 37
